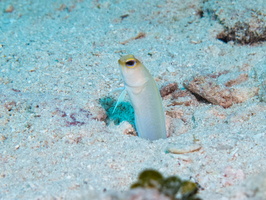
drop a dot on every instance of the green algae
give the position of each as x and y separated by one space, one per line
173 186
123 112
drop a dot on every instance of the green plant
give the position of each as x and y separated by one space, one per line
171 186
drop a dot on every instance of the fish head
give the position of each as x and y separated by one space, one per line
133 71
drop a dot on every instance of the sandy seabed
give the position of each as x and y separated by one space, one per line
58 58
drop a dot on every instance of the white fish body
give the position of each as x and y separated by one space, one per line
145 98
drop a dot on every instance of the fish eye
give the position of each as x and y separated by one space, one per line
130 63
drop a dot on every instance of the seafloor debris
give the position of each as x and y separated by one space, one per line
168 89
139 36
2 138
242 24
97 111
128 128
184 149
73 118
218 94
242 33
9 9
177 96
182 97
240 79
209 90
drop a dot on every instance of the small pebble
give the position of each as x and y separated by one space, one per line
168 89
3 138
9 9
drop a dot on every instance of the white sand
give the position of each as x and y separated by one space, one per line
58 58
